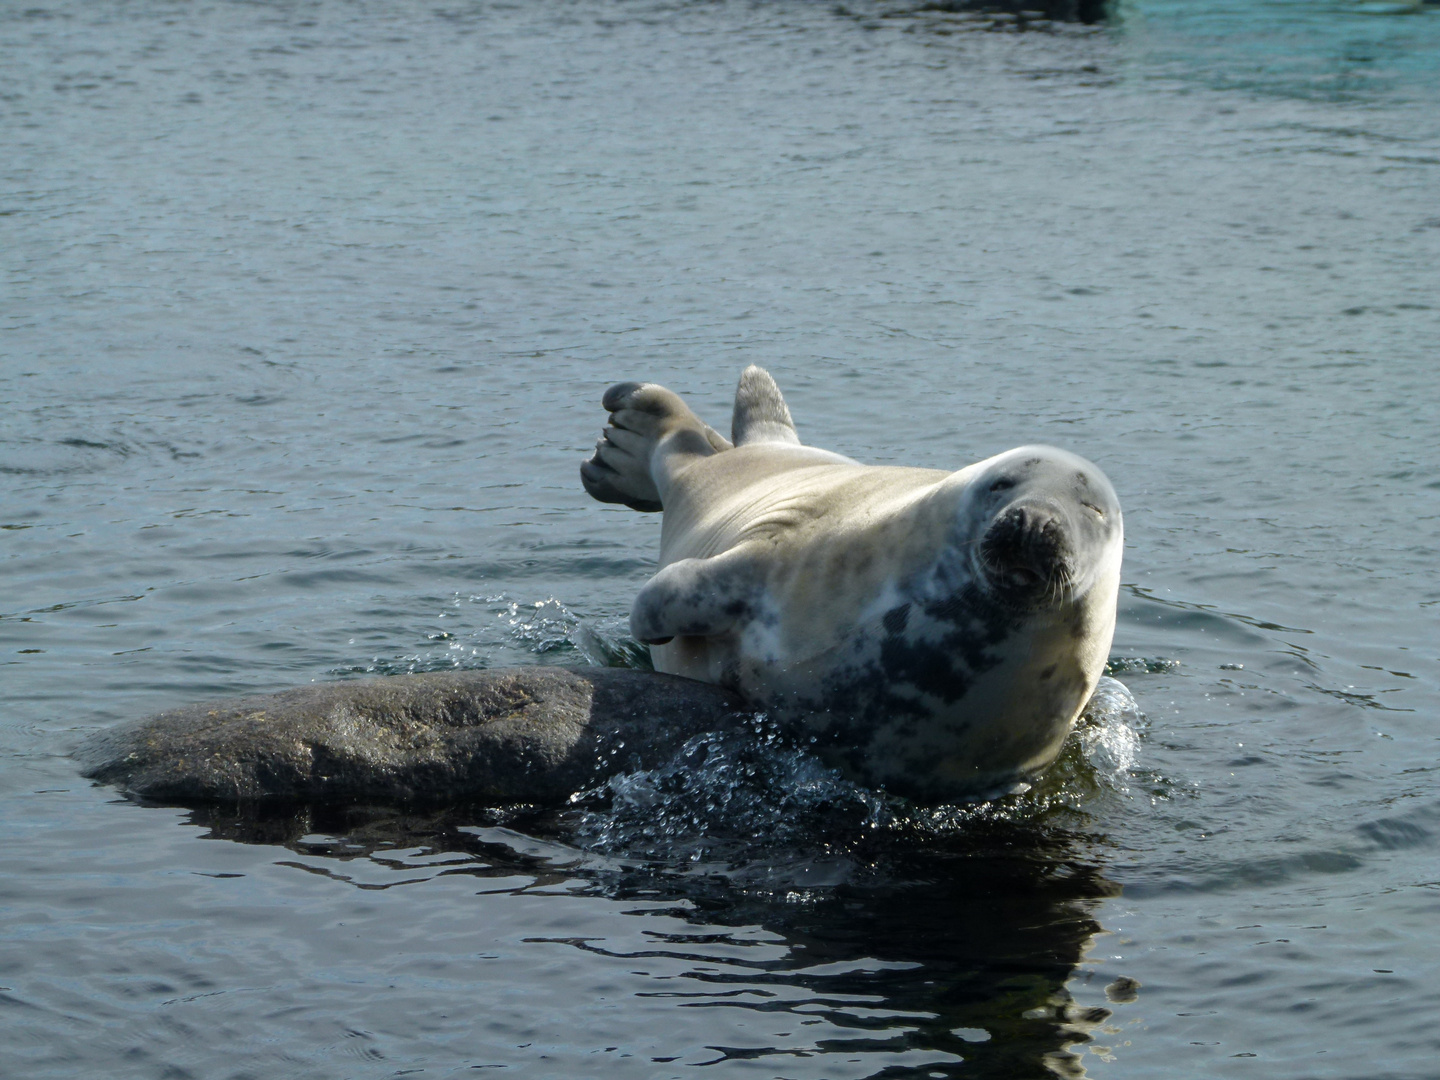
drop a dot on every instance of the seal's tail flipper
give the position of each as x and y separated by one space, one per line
760 412
651 431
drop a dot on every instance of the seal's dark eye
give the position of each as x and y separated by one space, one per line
1002 485
1092 506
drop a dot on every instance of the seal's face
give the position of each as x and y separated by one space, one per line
1050 521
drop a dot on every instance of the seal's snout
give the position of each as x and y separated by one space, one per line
1027 550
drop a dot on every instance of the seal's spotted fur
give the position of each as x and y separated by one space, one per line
938 632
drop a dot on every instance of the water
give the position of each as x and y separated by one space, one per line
306 315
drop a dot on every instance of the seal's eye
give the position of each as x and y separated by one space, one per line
1002 485
1091 506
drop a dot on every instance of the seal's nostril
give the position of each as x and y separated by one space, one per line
1027 550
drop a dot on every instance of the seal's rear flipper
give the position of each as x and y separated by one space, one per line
760 411
695 598
651 431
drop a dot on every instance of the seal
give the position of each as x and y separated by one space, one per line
935 633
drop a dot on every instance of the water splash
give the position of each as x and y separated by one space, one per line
1140 665
548 626
1109 732
755 804
543 626
483 631
726 797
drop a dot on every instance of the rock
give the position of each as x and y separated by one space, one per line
511 735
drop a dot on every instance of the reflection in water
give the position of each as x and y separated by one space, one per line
943 937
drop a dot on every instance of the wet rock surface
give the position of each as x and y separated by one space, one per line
500 736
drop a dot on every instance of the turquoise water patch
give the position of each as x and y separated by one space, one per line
1332 49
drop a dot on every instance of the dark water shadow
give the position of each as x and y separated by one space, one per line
1022 12
951 947
1083 11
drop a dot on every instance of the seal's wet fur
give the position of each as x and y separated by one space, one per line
937 632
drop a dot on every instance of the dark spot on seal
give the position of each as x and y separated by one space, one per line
930 667
896 618
919 656
1049 671
936 661
947 610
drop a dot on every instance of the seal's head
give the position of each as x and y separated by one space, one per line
1049 525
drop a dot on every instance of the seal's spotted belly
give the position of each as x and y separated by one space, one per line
932 698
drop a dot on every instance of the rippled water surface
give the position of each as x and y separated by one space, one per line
307 309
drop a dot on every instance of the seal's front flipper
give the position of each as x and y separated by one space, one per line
695 598
650 431
761 415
